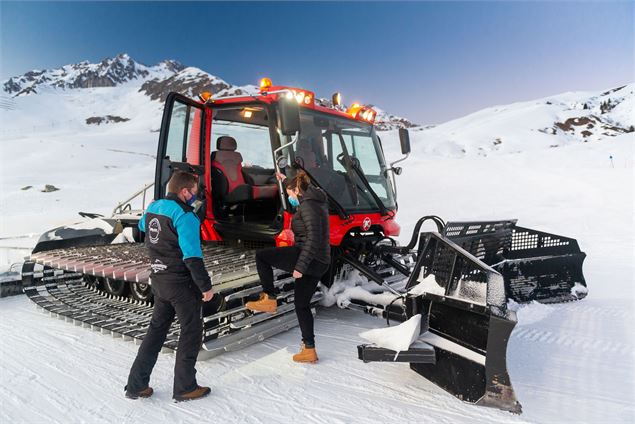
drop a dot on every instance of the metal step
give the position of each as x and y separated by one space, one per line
248 336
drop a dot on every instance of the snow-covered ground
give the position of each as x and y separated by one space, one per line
568 363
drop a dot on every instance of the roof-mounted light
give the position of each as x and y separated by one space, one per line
205 96
265 84
337 99
300 96
364 113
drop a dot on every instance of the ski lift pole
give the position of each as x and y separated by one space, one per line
611 159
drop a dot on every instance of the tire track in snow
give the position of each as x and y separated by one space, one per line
548 337
584 309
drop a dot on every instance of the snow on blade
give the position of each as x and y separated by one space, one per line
427 285
396 338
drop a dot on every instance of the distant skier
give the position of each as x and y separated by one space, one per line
308 259
179 283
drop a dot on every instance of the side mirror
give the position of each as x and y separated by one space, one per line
404 139
289 111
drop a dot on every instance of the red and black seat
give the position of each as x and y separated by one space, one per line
228 182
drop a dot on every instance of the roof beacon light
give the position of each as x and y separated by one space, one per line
337 99
265 84
354 109
205 96
364 113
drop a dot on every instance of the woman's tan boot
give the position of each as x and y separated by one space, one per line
306 354
264 304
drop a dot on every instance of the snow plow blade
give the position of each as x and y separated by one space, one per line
535 265
464 318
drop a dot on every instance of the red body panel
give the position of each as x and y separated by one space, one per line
338 227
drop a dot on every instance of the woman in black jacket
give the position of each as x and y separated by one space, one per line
308 259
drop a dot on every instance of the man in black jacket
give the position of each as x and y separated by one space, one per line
179 283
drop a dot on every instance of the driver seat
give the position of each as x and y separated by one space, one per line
228 181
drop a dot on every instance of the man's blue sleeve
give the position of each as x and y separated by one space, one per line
142 223
188 227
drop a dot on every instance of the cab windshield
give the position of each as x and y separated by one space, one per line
346 159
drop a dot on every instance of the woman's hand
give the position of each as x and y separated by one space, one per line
297 274
280 176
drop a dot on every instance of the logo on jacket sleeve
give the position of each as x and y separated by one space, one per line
154 229
158 266
366 224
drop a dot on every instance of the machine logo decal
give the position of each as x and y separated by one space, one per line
154 229
366 224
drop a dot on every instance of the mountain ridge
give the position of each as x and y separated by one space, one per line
158 81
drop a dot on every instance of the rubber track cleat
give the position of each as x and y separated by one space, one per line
306 355
145 393
198 393
264 304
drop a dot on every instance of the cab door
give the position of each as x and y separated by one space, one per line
182 142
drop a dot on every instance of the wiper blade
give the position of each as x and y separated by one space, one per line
382 208
340 209
349 164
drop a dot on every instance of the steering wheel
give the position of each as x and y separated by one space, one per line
340 159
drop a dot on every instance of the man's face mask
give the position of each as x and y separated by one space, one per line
192 199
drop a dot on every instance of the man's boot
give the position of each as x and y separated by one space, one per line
264 304
198 393
145 393
306 354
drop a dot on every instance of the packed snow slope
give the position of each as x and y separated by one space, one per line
568 363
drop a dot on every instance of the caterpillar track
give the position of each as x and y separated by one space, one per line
70 287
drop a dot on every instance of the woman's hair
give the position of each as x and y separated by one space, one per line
300 180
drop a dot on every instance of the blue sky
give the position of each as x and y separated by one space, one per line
428 61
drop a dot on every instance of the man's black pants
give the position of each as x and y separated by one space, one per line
170 299
285 258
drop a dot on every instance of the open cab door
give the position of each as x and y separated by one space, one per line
181 143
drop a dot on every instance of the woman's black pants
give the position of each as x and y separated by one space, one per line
285 258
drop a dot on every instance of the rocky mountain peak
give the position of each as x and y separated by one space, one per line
109 72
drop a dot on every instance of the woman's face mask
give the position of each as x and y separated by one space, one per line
293 198
293 201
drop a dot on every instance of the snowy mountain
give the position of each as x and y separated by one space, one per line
190 82
110 72
153 81
550 122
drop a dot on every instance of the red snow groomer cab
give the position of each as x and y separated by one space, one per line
458 278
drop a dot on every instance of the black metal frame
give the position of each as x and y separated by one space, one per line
468 313
535 265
